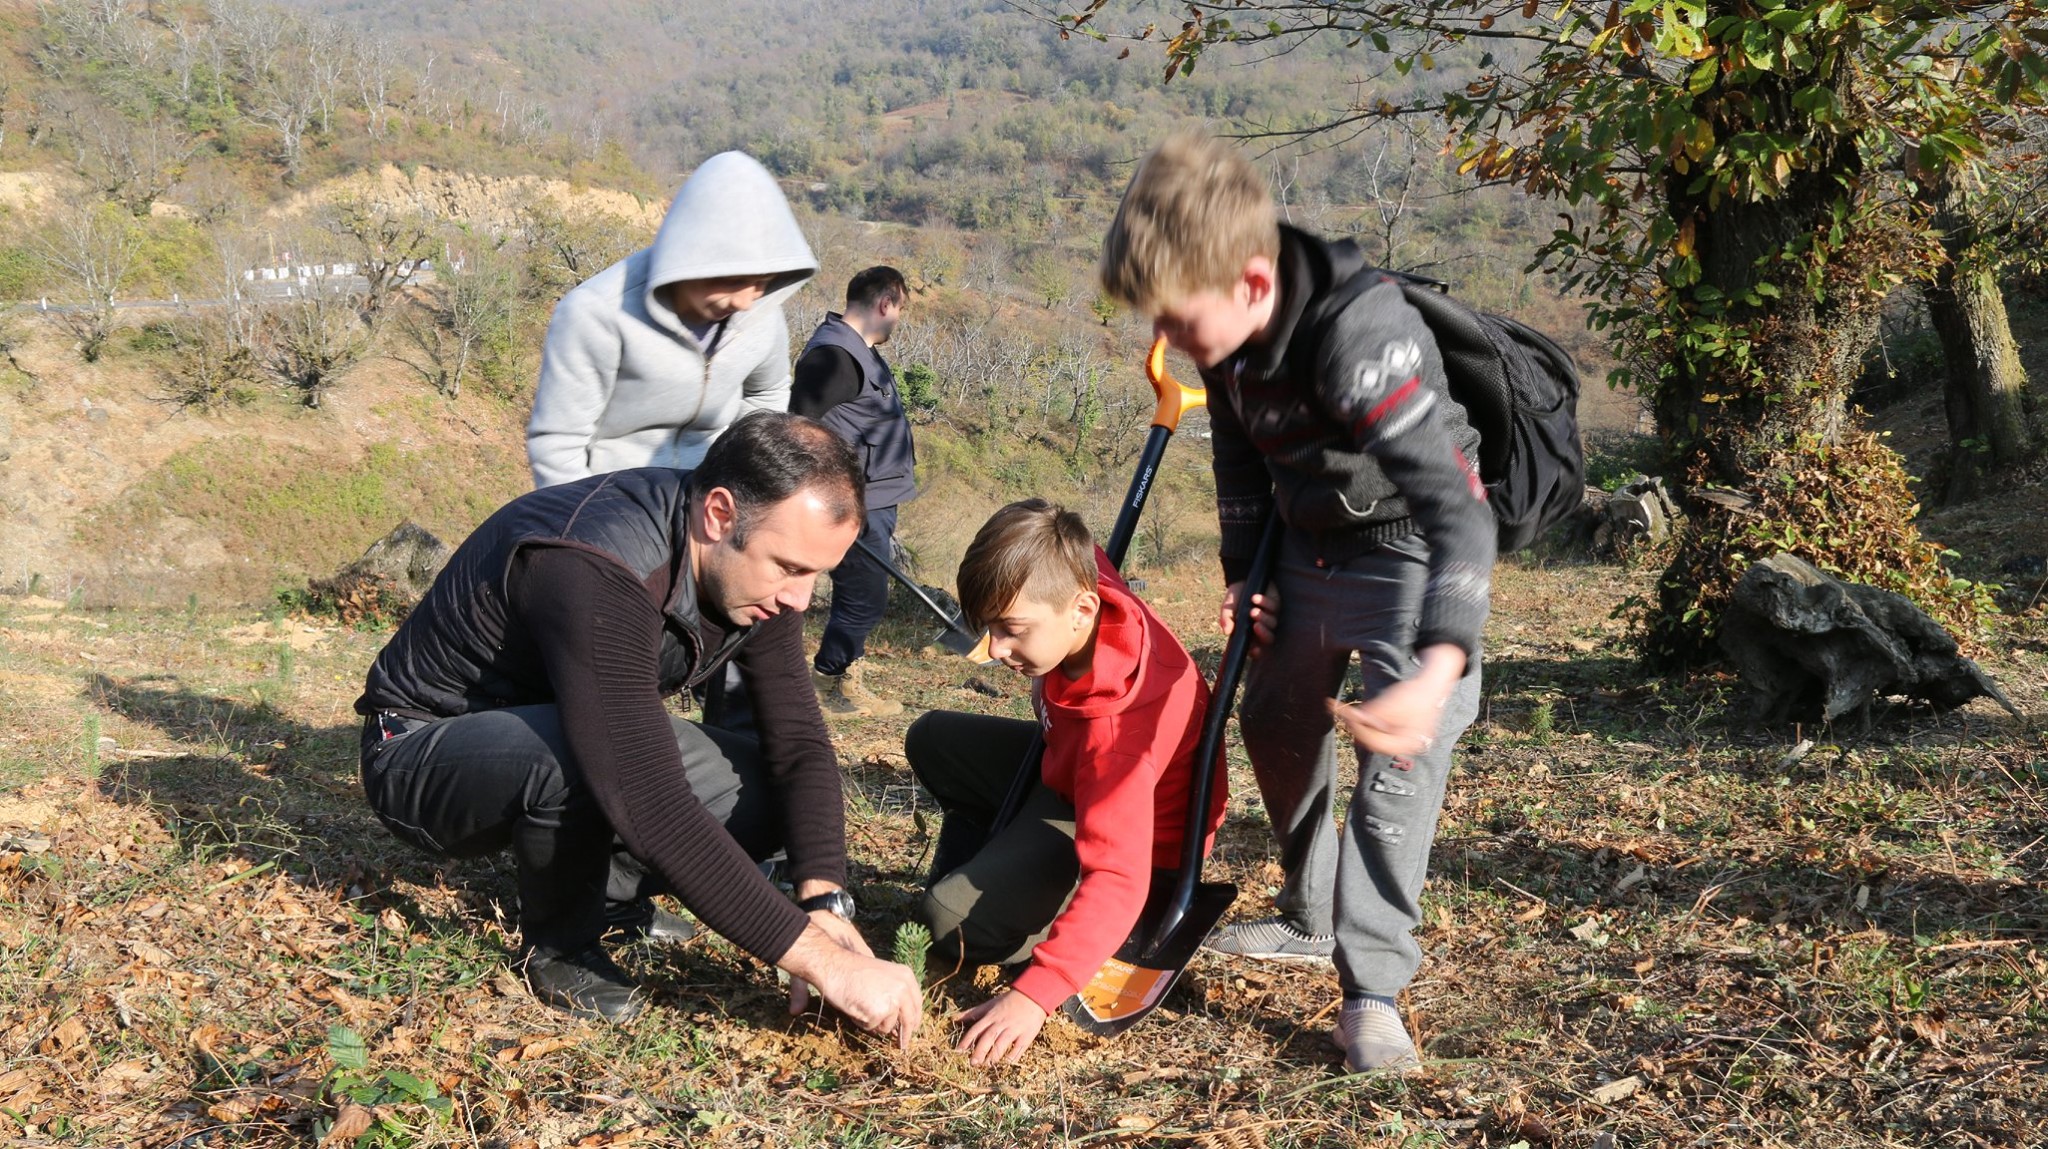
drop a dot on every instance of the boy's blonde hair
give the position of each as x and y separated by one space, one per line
1196 211
1031 548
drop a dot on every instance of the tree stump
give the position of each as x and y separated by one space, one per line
387 582
1810 645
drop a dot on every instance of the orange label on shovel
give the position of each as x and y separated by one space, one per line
1120 989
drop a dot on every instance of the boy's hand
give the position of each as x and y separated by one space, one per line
1265 615
1401 721
1003 1027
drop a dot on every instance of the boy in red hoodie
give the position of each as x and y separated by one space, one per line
1120 703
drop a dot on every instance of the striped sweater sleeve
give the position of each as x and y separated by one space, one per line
599 636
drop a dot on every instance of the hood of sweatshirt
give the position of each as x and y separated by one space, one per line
729 218
1122 649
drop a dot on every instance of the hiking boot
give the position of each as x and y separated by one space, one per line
1272 939
586 983
643 921
842 696
1371 1034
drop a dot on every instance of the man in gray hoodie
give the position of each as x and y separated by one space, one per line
649 359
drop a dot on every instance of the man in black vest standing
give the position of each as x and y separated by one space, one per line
842 381
520 705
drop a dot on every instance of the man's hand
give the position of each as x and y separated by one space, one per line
1401 721
1265 615
881 997
841 931
1001 1028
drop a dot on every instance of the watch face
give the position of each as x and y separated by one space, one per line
836 902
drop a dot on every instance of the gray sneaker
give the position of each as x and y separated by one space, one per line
1272 939
1373 1038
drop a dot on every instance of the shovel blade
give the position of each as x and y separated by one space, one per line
1132 983
957 641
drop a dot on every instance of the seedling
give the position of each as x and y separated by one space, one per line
912 941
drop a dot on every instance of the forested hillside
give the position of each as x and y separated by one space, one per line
466 165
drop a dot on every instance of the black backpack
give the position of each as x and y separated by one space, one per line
1520 391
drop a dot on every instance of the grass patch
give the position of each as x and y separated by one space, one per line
306 512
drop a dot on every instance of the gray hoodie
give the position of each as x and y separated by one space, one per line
623 382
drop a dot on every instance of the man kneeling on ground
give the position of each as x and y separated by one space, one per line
520 705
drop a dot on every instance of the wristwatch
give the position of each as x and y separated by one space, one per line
838 903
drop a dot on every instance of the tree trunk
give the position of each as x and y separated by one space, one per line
1764 415
1985 384
1802 353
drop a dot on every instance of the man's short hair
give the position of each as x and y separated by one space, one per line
1031 548
1195 212
870 289
767 456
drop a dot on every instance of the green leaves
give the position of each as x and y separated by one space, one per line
346 1047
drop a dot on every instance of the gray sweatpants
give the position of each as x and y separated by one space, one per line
1363 884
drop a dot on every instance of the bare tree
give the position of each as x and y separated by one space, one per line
564 248
458 319
255 36
241 313
189 48
210 368
133 163
313 339
327 62
91 248
372 67
81 25
285 103
390 247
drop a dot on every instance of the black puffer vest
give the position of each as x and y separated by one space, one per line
460 650
872 421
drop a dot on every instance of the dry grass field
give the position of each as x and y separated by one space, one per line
1651 923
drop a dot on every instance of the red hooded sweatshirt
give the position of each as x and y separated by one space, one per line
1120 746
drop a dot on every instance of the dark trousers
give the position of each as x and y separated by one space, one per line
1000 904
860 593
472 785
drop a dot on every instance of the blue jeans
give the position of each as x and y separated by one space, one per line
860 593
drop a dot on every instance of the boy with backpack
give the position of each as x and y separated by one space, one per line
1328 406
1120 705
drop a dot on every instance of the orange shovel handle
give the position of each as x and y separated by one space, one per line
1175 398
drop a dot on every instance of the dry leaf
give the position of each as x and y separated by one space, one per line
121 1077
532 1048
17 1089
66 1036
1931 1029
1615 1091
352 1122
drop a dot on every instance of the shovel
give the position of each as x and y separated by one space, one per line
955 637
1174 400
1177 918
